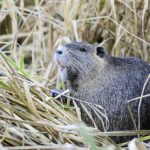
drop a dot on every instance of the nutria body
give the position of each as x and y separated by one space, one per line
95 77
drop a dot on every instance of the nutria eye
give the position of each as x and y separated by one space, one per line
82 50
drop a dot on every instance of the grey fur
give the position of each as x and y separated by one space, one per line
108 81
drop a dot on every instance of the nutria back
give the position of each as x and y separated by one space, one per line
106 82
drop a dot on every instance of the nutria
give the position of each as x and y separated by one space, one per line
97 78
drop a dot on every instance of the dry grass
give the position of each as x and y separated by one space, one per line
30 117
29 33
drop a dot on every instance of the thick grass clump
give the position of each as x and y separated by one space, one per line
31 118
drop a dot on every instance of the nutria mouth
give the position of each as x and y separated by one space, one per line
62 67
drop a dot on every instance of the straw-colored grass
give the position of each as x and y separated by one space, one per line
30 31
29 116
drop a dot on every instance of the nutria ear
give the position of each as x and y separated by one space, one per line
100 51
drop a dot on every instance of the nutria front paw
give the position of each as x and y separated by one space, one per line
55 93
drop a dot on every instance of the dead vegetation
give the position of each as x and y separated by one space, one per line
29 33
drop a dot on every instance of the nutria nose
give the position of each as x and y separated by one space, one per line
59 52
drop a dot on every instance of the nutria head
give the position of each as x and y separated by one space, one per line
78 60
